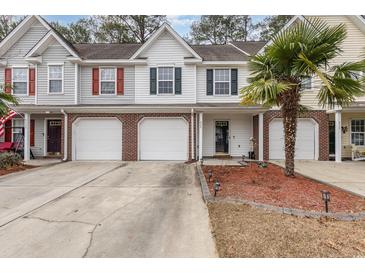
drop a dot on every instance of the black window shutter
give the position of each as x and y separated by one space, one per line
178 81
209 82
153 81
234 82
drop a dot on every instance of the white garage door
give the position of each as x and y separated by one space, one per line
163 139
305 143
98 139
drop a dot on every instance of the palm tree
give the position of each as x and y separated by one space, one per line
303 50
5 100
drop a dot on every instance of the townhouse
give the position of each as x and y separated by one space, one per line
161 100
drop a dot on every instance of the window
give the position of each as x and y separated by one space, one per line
306 82
221 81
107 81
358 132
20 81
55 78
165 80
17 129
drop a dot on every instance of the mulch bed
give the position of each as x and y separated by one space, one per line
270 186
4 171
243 231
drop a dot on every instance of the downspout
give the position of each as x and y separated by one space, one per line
192 134
64 136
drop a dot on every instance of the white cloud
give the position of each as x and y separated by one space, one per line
181 21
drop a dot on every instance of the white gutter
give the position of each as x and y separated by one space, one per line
65 136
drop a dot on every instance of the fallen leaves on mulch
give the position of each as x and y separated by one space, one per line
270 186
4 171
242 231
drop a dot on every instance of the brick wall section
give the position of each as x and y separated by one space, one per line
130 130
255 129
319 116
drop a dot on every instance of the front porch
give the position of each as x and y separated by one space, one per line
347 133
36 135
226 136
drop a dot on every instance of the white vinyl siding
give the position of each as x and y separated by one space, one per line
240 128
201 85
20 81
165 52
86 96
56 54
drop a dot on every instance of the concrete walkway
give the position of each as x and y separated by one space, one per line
347 175
105 209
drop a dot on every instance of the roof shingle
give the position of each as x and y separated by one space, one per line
219 53
251 47
106 51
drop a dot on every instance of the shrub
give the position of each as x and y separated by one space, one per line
9 159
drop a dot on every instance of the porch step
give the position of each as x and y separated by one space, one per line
222 156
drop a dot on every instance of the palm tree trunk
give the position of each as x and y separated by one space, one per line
290 109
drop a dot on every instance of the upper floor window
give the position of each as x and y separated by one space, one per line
358 132
306 82
221 81
107 81
165 80
20 81
55 79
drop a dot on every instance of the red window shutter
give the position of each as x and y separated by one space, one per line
95 81
120 81
32 124
8 131
32 81
8 80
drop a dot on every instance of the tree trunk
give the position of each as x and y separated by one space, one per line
290 109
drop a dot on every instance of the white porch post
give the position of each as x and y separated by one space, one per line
192 134
338 133
26 136
261 136
200 136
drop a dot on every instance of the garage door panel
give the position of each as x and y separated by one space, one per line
305 142
163 139
98 139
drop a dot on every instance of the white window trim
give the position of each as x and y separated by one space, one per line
115 81
12 124
230 75
173 81
355 119
48 79
12 79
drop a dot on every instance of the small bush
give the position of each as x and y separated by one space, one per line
9 159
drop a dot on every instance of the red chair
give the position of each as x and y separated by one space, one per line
6 146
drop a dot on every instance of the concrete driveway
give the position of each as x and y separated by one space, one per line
347 175
104 209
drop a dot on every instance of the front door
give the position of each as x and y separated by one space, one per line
54 136
332 138
222 137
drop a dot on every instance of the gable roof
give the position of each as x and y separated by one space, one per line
106 51
156 34
220 53
250 47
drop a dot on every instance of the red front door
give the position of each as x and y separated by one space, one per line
54 136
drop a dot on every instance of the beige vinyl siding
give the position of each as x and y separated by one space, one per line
56 54
240 126
353 47
201 85
86 96
165 51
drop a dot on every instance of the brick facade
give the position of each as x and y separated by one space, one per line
321 117
130 130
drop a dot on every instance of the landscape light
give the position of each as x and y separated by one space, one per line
216 186
326 197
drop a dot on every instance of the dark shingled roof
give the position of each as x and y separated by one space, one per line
251 47
106 51
219 53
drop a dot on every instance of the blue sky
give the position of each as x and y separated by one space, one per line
181 23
